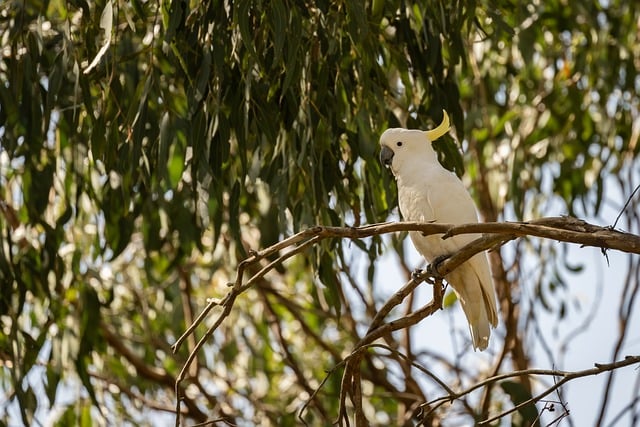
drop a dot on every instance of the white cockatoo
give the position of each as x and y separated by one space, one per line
427 192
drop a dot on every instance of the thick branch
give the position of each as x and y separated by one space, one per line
564 229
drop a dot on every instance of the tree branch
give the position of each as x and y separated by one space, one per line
566 377
566 229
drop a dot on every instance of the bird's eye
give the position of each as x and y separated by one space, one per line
399 143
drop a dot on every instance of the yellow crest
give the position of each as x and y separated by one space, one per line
442 128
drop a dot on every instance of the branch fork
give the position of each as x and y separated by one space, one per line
495 234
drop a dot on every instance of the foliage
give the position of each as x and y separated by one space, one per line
147 147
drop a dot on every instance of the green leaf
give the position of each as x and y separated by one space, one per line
449 299
86 418
38 179
176 165
377 8
331 290
201 81
519 394
242 17
106 24
293 66
279 19
234 218
172 16
167 134
51 384
89 327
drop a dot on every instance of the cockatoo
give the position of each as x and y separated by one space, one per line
427 192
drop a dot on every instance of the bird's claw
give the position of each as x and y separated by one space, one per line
417 275
433 266
432 269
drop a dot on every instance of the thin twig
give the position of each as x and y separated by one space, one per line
624 208
566 376
416 365
317 390
351 372
210 304
289 358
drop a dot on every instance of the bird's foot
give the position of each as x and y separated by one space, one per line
419 276
433 266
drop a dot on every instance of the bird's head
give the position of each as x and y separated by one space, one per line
402 147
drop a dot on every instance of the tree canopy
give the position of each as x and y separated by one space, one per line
147 148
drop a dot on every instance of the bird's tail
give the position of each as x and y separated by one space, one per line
478 307
480 328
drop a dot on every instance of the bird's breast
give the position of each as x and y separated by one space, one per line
415 204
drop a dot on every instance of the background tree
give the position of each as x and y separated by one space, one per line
148 147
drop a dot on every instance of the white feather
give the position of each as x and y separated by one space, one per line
429 192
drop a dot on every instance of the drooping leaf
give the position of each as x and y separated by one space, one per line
519 394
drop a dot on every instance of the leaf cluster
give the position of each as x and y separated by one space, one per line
133 178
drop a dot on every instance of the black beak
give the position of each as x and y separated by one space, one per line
386 156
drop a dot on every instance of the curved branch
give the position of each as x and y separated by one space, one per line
566 229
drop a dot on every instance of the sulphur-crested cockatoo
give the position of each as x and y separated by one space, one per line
427 192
